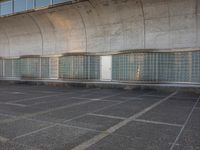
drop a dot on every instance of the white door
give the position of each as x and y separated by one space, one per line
53 67
106 68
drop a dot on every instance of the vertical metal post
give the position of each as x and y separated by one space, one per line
190 66
34 4
3 68
26 5
89 67
49 67
40 67
12 67
13 3
57 66
0 8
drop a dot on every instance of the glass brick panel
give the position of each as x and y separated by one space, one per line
30 67
19 5
60 1
94 67
45 67
1 68
8 68
79 67
42 3
53 65
6 8
157 67
29 4
196 67
16 68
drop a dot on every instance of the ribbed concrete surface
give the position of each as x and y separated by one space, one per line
102 26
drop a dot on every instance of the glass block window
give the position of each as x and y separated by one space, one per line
8 68
44 67
157 67
196 67
60 1
42 3
16 68
30 4
73 67
6 8
79 67
30 67
1 68
94 67
166 67
53 67
19 5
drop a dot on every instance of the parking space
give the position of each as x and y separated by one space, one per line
55 118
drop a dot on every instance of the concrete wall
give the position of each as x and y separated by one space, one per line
102 26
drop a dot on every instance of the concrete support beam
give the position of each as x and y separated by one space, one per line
102 26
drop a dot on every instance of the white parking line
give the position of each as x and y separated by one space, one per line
42 112
187 120
107 116
7 115
111 130
3 139
117 103
157 122
15 104
17 137
46 96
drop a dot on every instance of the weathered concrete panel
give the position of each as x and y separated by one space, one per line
155 9
102 26
157 33
4 42
198 30
198 6
24 36
182 7
183 31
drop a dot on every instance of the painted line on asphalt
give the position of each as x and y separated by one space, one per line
36 131
64 124
42 112
3 139
46 111
46 96
39 97
99 99
111 130
7 115
51 126
107 116
117 103
184 125
15 104
159 123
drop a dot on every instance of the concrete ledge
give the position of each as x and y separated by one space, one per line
109 84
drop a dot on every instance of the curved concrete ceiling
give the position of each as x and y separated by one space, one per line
102 26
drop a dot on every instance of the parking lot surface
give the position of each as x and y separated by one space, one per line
55 118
